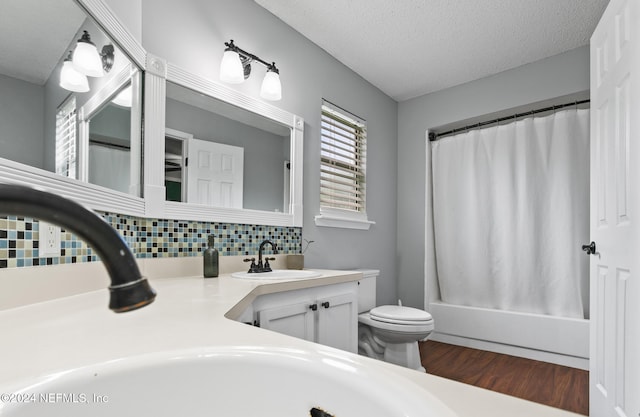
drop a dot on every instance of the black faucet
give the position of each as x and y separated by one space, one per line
129 289
260 267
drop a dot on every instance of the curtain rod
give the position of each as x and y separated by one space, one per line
108 145
433 136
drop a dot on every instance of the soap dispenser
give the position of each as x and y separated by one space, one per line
210 260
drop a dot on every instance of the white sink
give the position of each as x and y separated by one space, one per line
278 274
229 382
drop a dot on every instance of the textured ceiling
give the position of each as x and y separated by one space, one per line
408 48
34 35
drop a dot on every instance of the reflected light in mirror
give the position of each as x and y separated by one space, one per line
72 80
124 97
86 58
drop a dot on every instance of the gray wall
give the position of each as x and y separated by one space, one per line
21 110
556 76
263 182
191 34
112 124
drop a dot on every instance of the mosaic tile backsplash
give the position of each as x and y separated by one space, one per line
147 238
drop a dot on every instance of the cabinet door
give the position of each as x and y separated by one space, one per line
338 322
294 320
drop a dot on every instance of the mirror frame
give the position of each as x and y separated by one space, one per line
128 74
158 73
92 196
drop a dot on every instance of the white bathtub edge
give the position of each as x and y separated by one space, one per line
563 341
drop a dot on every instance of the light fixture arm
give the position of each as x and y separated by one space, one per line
236 67
247 58
89 65
107 55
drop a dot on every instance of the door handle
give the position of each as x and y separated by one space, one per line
313 307
326 304
590 249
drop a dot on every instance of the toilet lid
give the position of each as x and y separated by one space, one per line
400 315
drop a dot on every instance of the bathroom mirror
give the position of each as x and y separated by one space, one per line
221 155
257 144
39 119
109 136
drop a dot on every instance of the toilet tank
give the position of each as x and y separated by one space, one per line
367 289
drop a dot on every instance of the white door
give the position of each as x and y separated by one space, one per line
615 200
215 174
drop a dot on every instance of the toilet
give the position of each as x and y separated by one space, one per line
390 332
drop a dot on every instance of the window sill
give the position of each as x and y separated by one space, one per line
344 222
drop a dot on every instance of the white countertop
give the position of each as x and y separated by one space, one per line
190 312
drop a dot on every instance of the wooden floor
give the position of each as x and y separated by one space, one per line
541 382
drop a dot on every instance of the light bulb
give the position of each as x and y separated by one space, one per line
271 88
72 80
86 58
231 70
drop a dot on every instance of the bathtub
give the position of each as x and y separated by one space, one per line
560 340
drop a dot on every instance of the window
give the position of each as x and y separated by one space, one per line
343 142
66 138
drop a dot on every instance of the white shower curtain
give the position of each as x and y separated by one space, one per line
511 211
110 167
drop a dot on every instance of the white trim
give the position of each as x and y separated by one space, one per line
91 196
106 19
296 156
345 219
156 66
93 106
196 212
177 134
154 131
135 178
184 211
107 91
428 229
286 177
221 92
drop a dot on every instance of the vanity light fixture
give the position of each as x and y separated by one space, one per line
271 88
236 67
88 61
72 80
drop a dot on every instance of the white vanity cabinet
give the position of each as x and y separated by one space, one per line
327 315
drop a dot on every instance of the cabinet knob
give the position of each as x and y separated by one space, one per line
326 304
313 307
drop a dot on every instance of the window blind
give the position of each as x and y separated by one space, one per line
342 160
66 138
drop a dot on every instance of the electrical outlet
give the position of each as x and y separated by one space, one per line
49 242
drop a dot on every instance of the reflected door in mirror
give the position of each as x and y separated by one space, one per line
266 144
215 174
